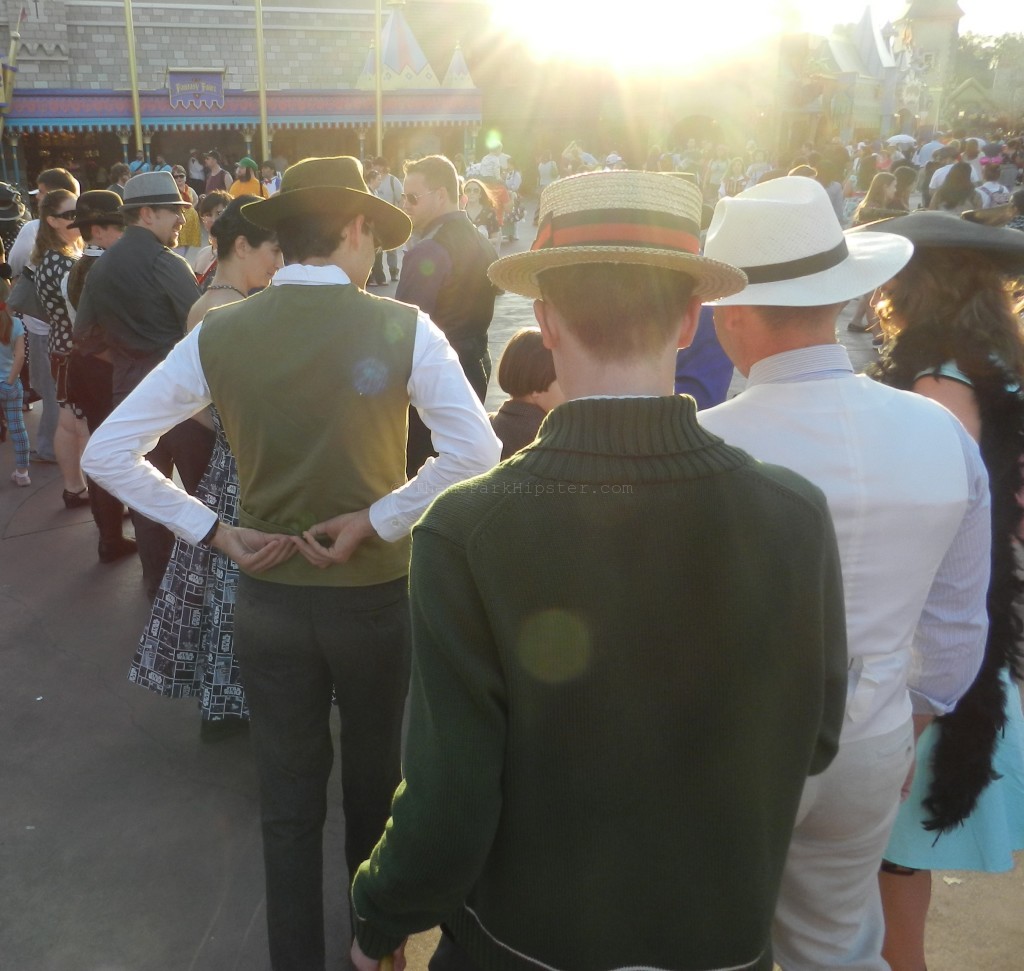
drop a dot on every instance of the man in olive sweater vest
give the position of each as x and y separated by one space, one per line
313 379
629 647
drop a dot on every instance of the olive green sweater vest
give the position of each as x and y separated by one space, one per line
311 386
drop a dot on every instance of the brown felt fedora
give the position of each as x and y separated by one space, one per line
332 187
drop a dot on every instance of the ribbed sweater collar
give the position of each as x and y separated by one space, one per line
636 439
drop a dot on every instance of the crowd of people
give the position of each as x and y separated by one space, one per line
691 682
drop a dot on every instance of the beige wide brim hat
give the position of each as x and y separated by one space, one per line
785 236
619 217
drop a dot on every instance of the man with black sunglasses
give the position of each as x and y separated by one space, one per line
445 275
136 300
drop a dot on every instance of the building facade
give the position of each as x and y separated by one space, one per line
198 83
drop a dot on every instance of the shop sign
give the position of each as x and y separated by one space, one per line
196 89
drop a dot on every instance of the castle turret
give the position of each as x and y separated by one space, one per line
931 30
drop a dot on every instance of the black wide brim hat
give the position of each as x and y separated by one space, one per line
10 202
928 229
330 187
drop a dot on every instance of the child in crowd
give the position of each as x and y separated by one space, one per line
526 372
12 357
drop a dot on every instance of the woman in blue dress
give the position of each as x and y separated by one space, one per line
187 646
954 336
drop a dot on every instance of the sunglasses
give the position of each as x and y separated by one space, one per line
179 175
69 215
414 198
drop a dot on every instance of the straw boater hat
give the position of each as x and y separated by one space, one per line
941 230
785 236
618 217
152 189
97 207
331 187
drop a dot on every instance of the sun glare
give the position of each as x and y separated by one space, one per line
680 37
645 36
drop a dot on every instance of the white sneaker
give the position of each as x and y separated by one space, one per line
20 478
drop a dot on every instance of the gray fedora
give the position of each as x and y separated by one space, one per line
152 189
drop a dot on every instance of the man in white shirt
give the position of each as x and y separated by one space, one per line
949 156
908 495
492 165
317 423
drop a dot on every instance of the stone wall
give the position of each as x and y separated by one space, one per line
309 44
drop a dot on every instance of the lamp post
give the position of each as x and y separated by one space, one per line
378 74
129 29
9 74
261 82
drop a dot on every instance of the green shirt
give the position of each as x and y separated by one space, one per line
629 651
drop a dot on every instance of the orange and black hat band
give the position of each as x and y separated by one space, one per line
633 228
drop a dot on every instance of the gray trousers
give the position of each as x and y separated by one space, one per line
294 645
42 381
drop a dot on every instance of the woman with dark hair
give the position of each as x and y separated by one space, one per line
56 249
954 337
526 373
858 183
867 169
481 207
186 645
906 179
957 193
734 181
210 207
879 203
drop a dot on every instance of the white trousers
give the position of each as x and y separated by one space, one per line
829 913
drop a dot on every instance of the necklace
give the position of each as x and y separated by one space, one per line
226 286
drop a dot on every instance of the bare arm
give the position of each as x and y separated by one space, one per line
957 397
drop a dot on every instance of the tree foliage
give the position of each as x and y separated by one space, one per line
977 55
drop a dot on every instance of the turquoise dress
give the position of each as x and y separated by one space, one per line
988 838
992 833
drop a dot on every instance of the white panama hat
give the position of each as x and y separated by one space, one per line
785 236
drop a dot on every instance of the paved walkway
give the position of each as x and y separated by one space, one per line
127 845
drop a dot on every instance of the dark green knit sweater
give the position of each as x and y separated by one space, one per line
629 652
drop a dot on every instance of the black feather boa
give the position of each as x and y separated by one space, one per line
967 736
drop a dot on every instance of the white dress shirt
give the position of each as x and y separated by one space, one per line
909 499
177 389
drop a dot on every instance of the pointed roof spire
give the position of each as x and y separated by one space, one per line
404 65
367 77
458 75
